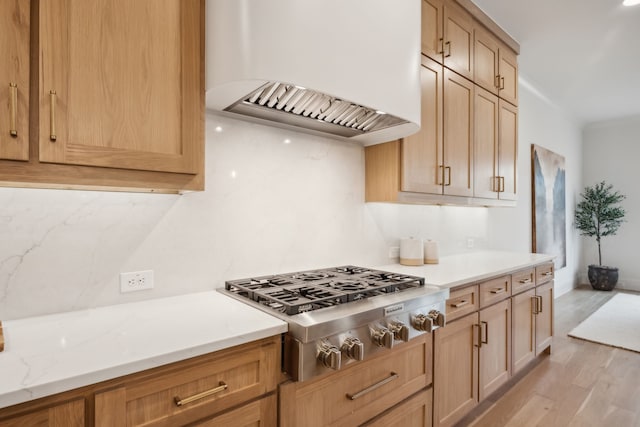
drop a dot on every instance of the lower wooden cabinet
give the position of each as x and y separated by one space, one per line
544 317
414 412
524 329
347 398
69 414
455 377
495 347
262 413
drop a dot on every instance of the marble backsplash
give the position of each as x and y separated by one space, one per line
275 201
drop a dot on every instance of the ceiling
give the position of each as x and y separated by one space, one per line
581 55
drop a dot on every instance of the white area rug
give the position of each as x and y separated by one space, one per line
616 323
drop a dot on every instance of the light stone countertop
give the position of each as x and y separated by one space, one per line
49 354
459 269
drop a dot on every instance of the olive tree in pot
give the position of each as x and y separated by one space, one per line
598 214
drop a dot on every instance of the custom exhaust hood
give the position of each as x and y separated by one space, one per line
344 68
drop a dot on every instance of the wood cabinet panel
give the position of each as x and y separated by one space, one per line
461 302
455 381
458 135
326 402
413 412
486 57
495 290
495 348
69 414
486 111
508 151
14 79
432 21
523 326
422 152
523 280
458 39
508 67
545 273
544 317
113 107
259 413
245 373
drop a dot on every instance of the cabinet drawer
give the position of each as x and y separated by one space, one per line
191 390
414 412
360 392
523 280
262 412
495 290
544 273
462 301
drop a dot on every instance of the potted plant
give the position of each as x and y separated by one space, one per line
598 214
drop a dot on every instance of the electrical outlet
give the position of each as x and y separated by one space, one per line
136 281
394 252
470 242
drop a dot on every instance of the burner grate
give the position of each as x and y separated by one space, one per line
304 291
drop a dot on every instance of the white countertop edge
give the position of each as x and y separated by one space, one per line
35 364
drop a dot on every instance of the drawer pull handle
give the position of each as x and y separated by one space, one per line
460 303
548 273
527 280
392 376
52 116
222 386
13 107
498 290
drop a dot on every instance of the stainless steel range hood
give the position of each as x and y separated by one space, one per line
346 68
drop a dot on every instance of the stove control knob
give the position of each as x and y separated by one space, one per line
438 318
422 322
382 337
330 356
353 348
400 330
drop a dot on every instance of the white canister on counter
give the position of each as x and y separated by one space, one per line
411 251
431 252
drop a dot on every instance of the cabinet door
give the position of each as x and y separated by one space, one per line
262 413
455 376
485 67
485 133
458 135
523 326
432 29
120 84
508 152
69 414
458 40
495 350
14 79
544 317
413 412
508 69
422 152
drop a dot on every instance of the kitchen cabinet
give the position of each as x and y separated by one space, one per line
432 29
495 347
14 79
524 332
362 391
232 387
70 414
544 308
496 66
455 380
109 113
413 412
496 147
439 158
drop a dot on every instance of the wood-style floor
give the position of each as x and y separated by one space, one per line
580 384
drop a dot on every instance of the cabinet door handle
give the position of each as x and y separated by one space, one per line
496 81
479 327
440 175
501 83
52 118
501 184
441 51
486 333
392 376
13 107
539 305
222 386
448 170
498 290
448 45
460 303
534 305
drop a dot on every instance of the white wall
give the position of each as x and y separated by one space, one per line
611 153
268 207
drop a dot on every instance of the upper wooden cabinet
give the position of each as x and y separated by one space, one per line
447 35
119 96
14 79
496 66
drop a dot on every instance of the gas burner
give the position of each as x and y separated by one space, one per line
347 285
350 269
309 276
